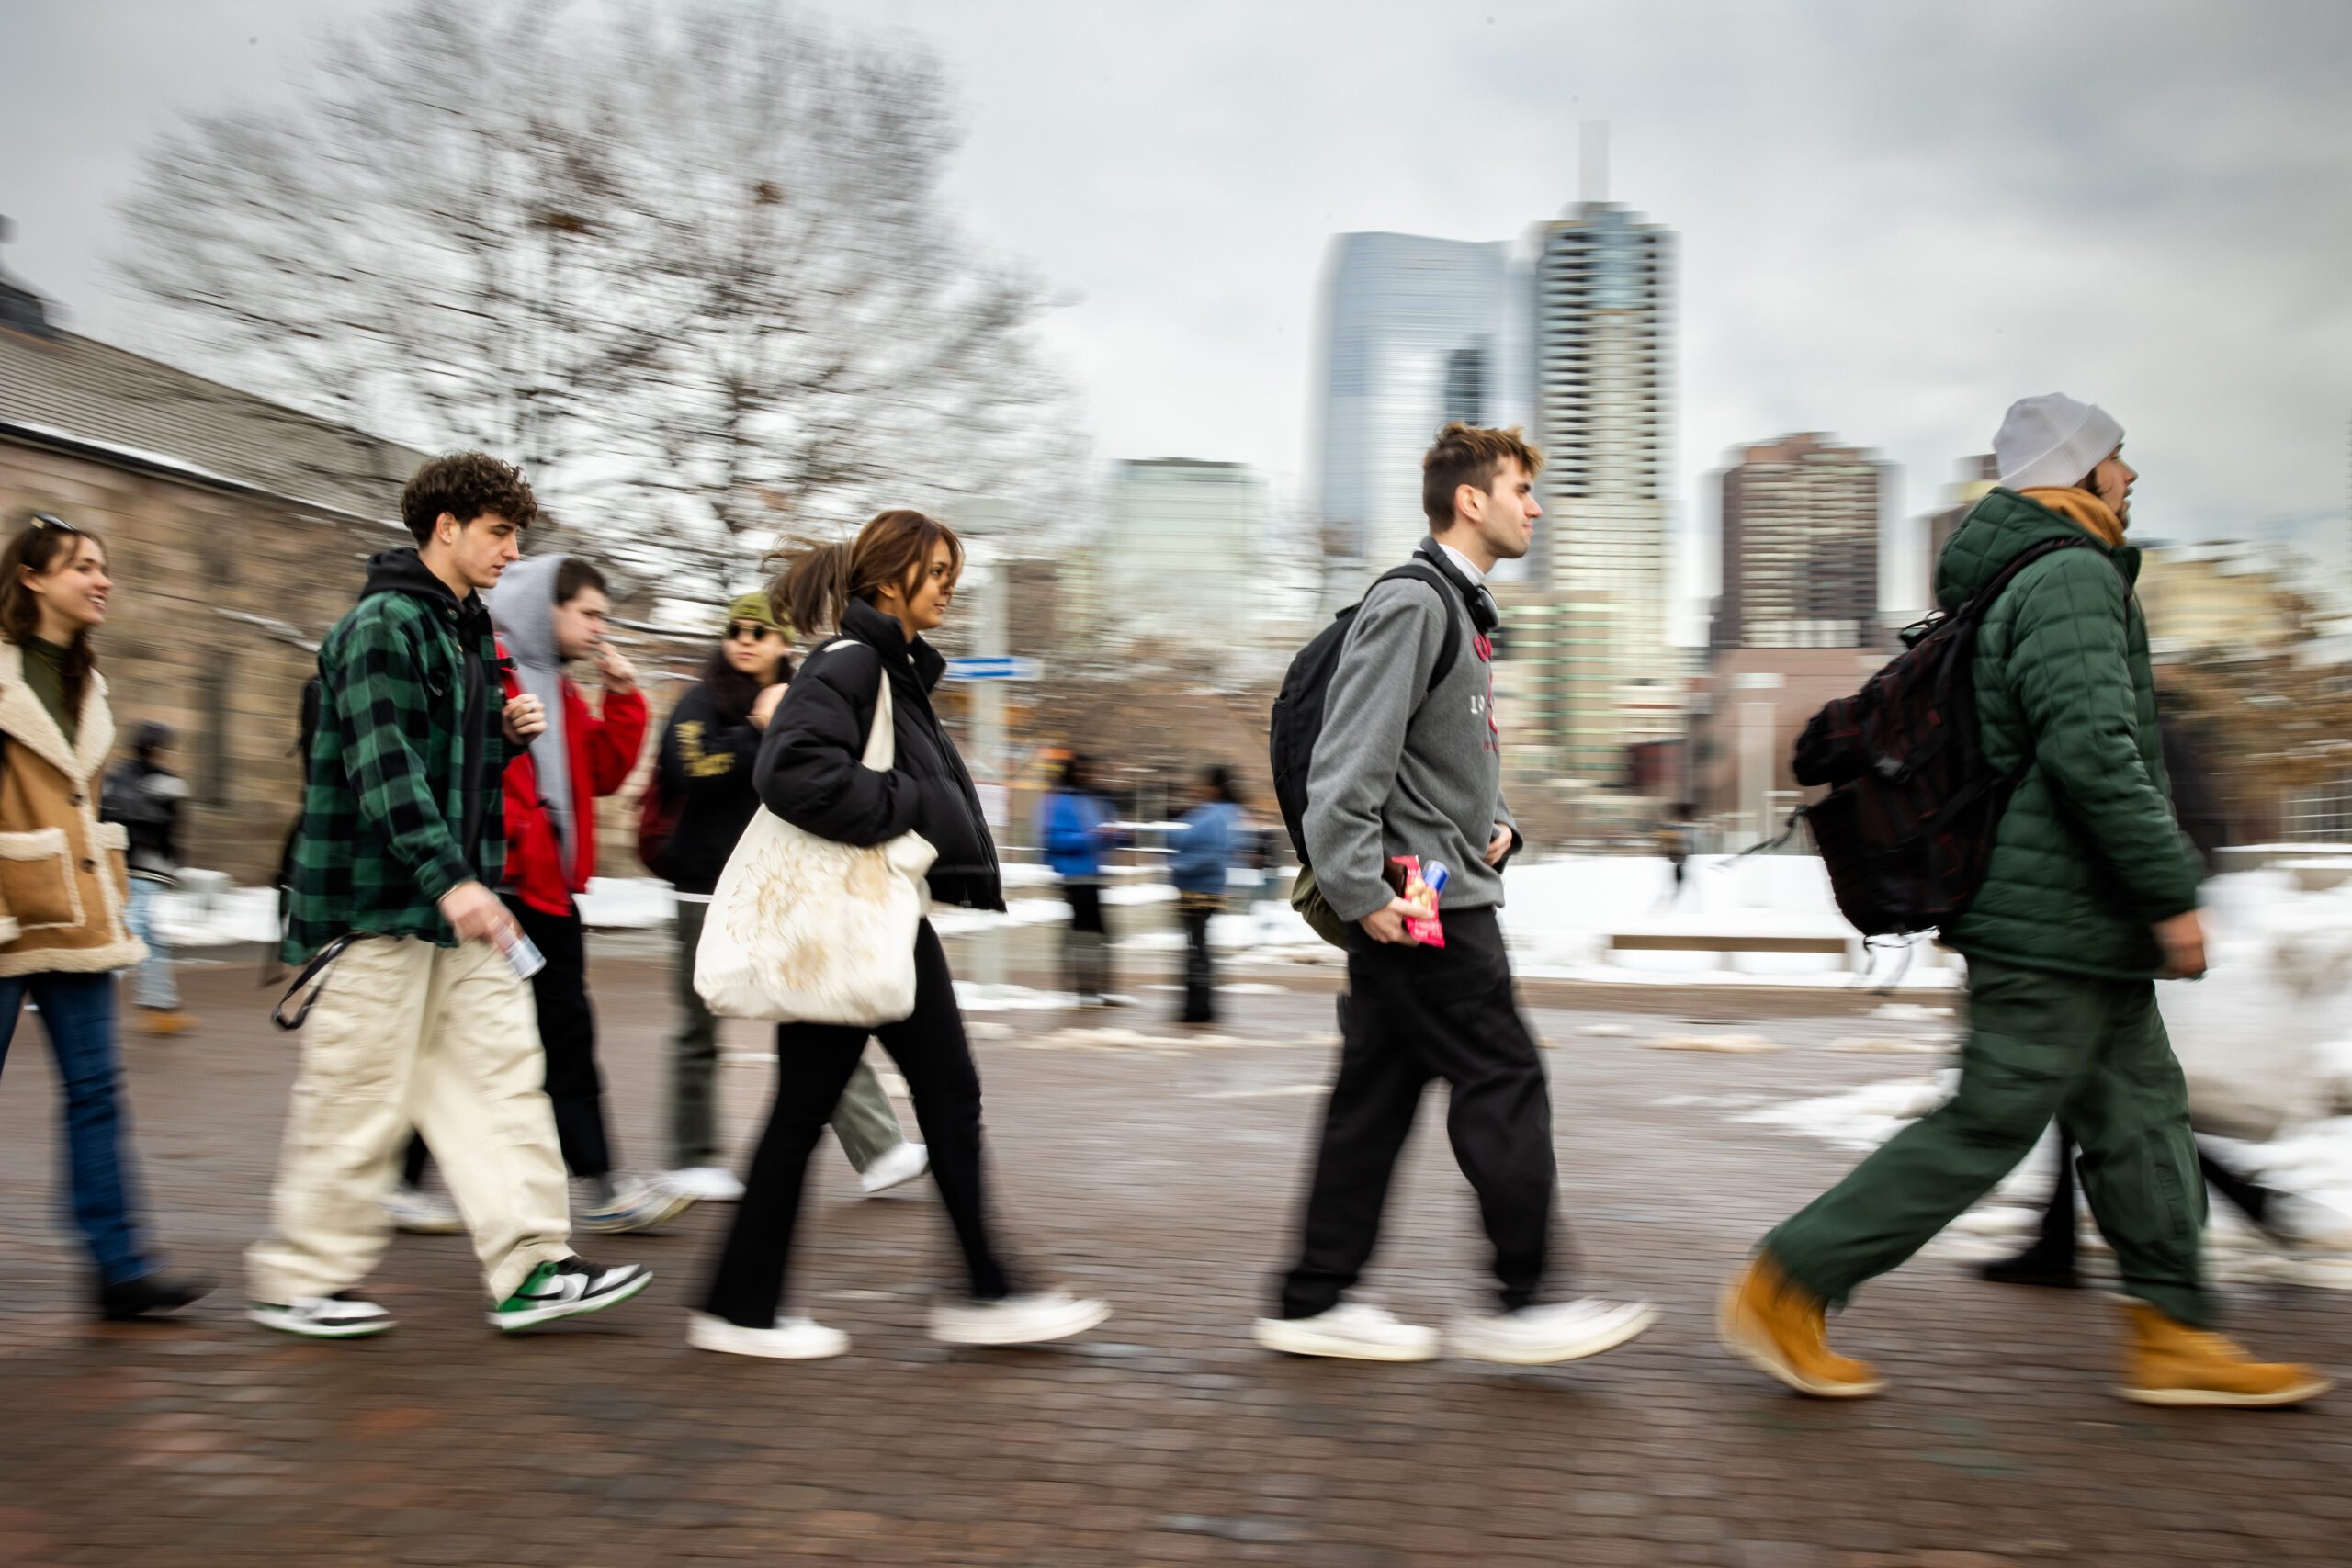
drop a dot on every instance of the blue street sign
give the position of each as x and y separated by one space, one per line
993 667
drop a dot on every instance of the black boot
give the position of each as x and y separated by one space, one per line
2040 1264
150 1295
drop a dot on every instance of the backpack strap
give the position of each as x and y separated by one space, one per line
1982 600
1422 570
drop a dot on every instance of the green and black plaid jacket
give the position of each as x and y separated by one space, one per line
390 822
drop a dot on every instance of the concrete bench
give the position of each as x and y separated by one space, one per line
1853 949
1848 948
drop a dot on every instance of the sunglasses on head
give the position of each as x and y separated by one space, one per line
42 520
751 630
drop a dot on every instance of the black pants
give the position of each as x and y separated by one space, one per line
813 1062
2249 1197
567 1035
1200 973
1414 1014
1085 946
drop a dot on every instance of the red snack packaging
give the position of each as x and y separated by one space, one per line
1403 875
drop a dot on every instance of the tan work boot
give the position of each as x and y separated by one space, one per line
2172 1363
165 1021
1777 1327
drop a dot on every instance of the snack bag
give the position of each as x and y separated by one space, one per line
1418 888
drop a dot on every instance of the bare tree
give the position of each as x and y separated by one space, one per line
690 263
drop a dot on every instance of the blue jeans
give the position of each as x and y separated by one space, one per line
77 1013
154 983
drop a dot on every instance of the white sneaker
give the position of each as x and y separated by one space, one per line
342 1316
705 1183
639 1203
1540 1336
422 1214
792 1338
894 1168
1016 1320
1354 1331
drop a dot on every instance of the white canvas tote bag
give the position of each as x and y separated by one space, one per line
802 930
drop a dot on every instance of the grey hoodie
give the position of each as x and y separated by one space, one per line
1396 775
523 608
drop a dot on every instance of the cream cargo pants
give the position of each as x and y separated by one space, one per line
443 1039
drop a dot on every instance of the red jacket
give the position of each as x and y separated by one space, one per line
604 752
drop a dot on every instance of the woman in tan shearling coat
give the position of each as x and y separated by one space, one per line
63 891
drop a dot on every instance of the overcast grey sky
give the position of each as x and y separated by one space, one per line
1895 217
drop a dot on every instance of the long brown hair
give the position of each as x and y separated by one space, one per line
889 552
42 545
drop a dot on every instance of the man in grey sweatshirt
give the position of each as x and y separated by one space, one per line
1403 767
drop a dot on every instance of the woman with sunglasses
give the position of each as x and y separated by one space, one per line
64 892
706 755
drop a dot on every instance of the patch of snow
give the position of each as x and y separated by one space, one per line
635 903
194 920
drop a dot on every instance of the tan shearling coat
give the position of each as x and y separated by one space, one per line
63 885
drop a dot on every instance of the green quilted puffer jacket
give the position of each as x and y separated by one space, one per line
2089 855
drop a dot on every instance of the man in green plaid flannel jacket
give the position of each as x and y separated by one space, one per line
419 1017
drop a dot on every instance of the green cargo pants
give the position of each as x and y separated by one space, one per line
2038 1043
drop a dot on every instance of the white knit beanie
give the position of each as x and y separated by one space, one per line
2053 440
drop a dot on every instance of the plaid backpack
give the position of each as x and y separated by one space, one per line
1906 829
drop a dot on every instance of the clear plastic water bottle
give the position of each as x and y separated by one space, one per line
522 952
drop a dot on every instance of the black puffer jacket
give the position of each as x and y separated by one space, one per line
810 771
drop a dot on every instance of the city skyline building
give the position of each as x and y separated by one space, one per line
1604 336
1414 332
1569 333
1800 534
1185 549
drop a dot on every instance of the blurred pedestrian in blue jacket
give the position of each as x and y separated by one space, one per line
1204 844
1076 827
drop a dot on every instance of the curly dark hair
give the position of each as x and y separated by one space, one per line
466 485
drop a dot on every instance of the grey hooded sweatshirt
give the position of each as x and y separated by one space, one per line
1397 775
523 608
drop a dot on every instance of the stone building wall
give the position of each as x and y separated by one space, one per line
182 553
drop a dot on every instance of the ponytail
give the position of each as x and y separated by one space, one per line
816 588
814 591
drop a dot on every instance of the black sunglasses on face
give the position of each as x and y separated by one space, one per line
751 630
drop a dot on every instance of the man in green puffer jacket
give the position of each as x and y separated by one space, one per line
2090 898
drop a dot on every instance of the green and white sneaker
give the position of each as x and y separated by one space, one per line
567 1288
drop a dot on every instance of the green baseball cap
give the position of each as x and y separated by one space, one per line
755 607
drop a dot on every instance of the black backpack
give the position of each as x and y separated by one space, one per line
1297 723
1906 829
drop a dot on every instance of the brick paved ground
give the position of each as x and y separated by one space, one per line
1163 1178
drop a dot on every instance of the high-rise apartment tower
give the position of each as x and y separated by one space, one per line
1800 546
1602 335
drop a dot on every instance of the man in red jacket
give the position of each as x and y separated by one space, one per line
550 611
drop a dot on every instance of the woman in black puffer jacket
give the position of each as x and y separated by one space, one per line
884 591
709 750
